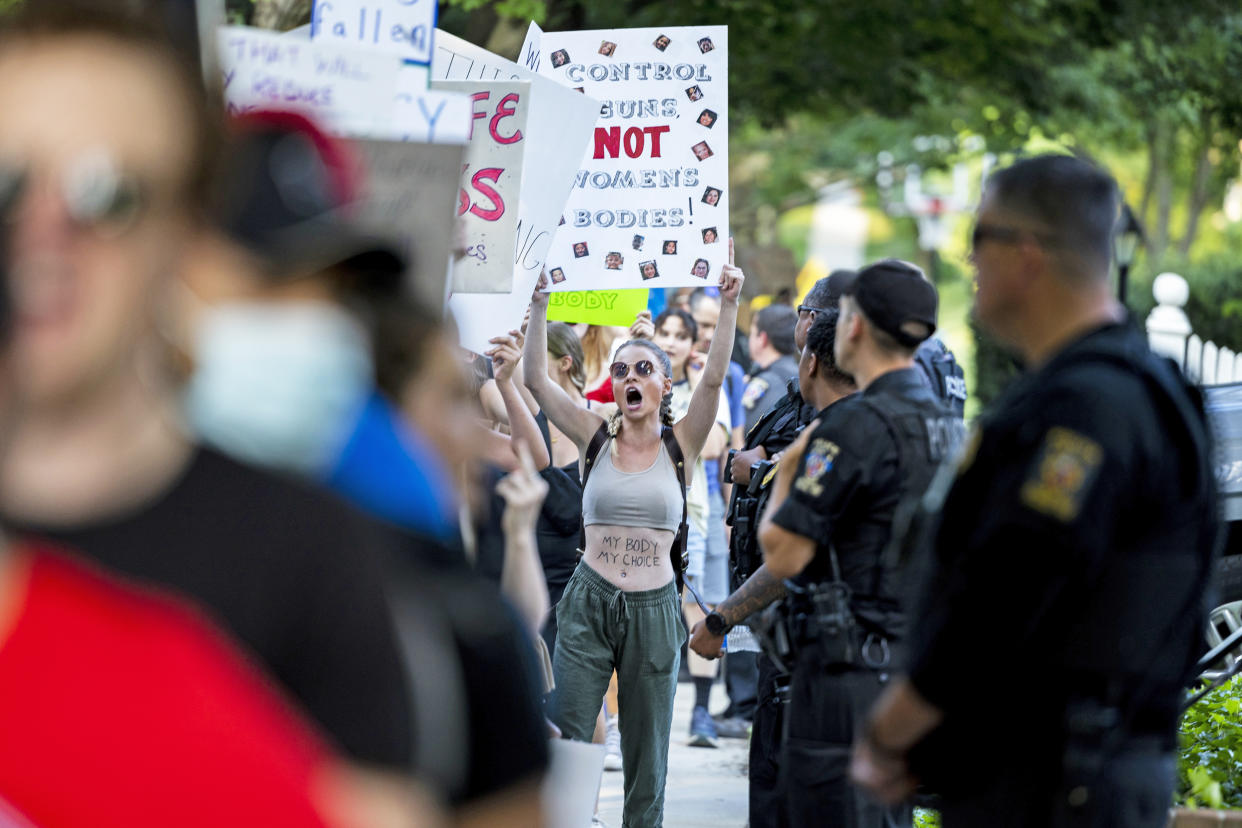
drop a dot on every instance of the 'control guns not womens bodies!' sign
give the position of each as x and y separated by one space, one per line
650 204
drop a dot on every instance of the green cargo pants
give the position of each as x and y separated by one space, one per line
601 628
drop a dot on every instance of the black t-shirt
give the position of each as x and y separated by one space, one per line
1079 485
290 571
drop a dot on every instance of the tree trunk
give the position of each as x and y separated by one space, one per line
1198 197
1159 235
1152 131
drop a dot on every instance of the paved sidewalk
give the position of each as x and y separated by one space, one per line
706 788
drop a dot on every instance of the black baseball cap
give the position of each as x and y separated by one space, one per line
890 294
285 193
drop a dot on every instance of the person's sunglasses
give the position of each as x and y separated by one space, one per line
621 370
1006 235
96 194
809 309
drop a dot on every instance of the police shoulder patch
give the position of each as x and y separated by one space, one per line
820 457
1062 475
755 389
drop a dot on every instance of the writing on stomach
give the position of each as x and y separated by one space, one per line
632 558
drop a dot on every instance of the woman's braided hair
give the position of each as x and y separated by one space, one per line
666 367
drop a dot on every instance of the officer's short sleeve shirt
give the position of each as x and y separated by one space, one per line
844 488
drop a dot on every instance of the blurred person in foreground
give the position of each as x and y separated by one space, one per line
310 356
1084 513
105 140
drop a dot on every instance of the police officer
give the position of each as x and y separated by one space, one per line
772 352
1065 609
839 489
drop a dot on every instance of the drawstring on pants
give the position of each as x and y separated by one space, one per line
618 606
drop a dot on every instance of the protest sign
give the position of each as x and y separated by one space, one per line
559 127
419 113
350 92
411 195
428 115
597 307
491 182
650 204
402 28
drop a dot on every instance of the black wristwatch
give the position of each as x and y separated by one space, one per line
716 625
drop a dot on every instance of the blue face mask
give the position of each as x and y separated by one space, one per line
279 384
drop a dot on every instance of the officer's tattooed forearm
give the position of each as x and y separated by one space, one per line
751 597
617 549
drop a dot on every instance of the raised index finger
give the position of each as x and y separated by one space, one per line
730 250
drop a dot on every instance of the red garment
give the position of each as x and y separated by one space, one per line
121 708
602 394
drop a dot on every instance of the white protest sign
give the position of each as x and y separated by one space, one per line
402 28
349 91
560 122
491 182
411 195
429 115
650 204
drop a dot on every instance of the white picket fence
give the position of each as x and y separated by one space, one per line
1170 334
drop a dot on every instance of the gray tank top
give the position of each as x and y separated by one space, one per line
649 499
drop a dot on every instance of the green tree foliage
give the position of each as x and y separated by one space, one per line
1209 769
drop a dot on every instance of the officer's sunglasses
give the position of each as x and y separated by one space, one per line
1007 235
96 194
621 370
809 309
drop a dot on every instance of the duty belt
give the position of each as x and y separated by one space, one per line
815 622
822 622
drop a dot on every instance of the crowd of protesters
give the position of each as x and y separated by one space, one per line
274 545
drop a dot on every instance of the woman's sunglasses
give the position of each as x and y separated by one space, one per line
95 192
621 370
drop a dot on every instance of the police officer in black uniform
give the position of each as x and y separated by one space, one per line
837 491
1065 606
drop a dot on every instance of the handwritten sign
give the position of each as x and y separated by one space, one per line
558 129
349 91
429 115
597 307
403 28
650 202
491 181
411 195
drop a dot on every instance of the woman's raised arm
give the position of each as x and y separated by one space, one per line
692 429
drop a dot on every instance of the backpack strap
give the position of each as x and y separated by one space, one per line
682 559
598 439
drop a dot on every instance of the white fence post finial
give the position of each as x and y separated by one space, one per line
1167 325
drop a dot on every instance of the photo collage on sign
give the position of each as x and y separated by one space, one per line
649 207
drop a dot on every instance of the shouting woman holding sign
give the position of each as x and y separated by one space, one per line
621 608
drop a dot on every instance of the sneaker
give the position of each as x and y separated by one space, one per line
702 729
733 728
612 745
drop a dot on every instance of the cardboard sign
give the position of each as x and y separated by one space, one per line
597 307
426 115
402 28
350 92
491 182
559 126
650 204
411 195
